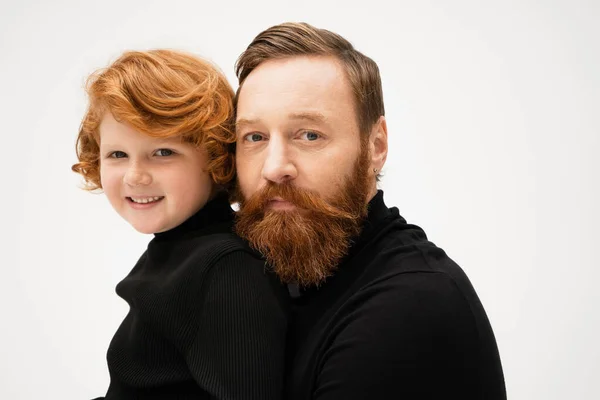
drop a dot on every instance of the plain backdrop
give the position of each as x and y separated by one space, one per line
493 116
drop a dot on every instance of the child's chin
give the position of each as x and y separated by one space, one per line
147 230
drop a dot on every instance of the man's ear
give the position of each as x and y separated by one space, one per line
378 145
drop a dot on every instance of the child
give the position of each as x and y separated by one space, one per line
205 320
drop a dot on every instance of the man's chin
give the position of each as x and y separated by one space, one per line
301 246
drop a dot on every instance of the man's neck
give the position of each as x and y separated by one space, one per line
372 192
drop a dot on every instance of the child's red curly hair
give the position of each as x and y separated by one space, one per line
162 93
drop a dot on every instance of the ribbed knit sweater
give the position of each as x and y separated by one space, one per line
205 321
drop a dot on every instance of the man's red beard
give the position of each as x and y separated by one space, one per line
304 245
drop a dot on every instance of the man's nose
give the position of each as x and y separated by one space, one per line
136 175
279 167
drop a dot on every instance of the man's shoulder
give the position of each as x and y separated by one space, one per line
404 277
401 258
400 247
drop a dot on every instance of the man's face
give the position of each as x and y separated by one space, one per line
303 171
296 123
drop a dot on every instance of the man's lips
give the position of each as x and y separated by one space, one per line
278 203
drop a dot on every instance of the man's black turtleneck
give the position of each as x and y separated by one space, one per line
398 320
205 320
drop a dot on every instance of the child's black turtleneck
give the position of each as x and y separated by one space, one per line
205 319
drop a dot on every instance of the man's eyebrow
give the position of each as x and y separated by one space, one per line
312 116
240 123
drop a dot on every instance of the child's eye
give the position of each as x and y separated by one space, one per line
164 152
117 154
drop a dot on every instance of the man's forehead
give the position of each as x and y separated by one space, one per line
295 74
301 87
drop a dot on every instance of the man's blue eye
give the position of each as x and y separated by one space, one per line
254 137
312 136
164 152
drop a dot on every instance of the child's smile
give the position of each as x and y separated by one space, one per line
143 203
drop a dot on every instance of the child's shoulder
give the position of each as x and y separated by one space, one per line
221 244
207 249
219 240
193 259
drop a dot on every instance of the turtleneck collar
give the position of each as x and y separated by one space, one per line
378 215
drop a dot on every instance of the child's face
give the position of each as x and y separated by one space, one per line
155 184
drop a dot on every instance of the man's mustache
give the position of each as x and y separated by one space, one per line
302 198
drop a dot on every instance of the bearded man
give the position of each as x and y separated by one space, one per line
378 310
